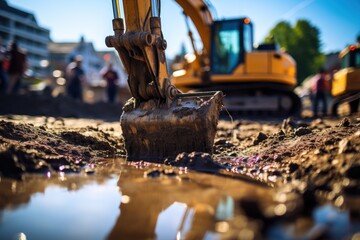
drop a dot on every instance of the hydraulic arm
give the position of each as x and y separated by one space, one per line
159 121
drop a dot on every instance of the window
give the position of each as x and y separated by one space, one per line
248 42
231 39
351 59
357 58
345 61
226 46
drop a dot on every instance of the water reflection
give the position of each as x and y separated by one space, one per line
327 223
174 222
183 205
164 208
225 209
60 213
120 201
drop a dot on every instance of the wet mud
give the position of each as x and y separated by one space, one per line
154 132
295 166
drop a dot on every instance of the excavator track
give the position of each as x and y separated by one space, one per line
259 99
352 98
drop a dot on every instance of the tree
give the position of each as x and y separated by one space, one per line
282 34
302 42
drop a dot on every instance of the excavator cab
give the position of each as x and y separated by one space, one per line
230 40
350 58
346 81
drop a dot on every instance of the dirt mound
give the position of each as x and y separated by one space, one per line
316 158
40 149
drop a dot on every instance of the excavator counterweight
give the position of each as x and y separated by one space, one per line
158 121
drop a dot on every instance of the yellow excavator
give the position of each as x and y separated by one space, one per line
346 82
158 121
258 80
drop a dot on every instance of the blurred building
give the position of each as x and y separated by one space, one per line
123 91
62 53
22 27
113 57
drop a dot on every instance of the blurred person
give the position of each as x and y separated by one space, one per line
319 91
111 77
3 74
16 69
75 78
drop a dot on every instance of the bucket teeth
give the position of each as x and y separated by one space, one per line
189 124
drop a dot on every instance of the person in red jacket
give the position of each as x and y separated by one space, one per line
319 89
16 69
111 77
3 62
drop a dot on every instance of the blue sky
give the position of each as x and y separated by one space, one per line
337 20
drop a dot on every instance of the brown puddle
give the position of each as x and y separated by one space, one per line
138 200
123 201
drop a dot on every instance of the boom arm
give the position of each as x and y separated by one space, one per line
142 46
199 13
142 51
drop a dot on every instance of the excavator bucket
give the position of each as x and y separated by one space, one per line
155 133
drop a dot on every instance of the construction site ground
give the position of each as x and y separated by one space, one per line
268 178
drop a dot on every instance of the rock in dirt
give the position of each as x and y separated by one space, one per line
293 167
288 125
196 160
260 137
345 122
223 143
301 131
349 144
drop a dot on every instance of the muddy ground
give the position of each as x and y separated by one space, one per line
319 159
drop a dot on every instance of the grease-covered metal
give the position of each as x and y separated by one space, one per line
189 124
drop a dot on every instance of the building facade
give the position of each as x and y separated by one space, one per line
22 27
113 57
63 53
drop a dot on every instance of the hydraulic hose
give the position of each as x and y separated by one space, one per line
155 8
116 9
